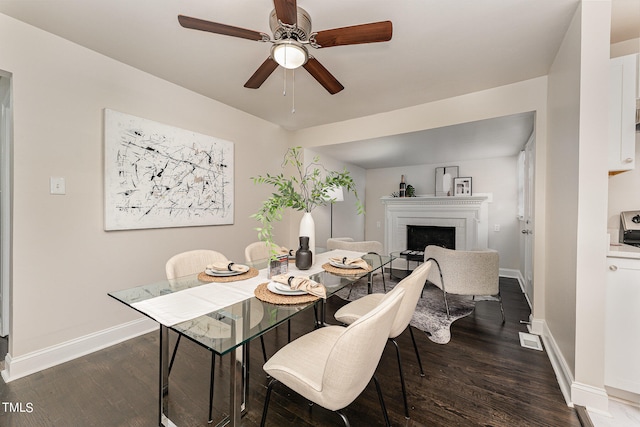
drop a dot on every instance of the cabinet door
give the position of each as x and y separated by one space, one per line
622 113
622 329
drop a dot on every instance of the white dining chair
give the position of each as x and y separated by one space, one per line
368 246
412 285
331 366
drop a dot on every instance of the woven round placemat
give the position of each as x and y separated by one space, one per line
264 294
248 275
343 271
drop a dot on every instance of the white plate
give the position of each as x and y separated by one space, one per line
279 288
223 273
341 265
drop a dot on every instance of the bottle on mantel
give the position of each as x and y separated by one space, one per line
403 187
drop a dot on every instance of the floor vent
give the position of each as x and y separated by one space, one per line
530 341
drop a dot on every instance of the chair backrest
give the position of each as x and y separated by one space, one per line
465 272
356 353
348 244
257 251
412 285
191 262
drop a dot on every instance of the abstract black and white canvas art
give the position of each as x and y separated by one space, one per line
158 175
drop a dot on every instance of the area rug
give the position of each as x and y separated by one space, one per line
430 315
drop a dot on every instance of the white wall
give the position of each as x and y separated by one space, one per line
497 176
576 189
64 263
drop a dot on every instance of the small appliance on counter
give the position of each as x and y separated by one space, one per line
630 228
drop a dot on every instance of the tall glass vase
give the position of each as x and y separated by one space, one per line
308 228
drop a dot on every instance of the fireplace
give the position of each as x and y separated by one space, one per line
467 215
421 236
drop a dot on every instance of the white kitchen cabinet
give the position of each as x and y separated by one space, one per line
622 327
622 113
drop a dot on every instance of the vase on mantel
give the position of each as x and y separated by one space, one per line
308 228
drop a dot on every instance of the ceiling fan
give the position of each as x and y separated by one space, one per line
291 28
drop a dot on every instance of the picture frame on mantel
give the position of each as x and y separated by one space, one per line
444 180
462 186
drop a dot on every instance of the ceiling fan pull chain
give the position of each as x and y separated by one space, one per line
293 91
284 85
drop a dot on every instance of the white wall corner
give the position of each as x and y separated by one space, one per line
51 356
593 398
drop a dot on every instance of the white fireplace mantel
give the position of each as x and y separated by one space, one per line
468 214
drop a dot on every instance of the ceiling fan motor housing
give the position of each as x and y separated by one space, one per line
300 32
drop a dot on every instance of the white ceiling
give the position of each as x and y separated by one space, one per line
439 49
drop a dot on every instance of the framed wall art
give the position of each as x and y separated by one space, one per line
444 180
462 186
156 175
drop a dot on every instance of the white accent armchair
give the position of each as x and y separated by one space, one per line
473 273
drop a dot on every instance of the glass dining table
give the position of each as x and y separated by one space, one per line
228 329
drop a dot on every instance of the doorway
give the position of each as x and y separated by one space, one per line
527 219
5 206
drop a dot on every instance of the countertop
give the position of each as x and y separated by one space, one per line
620 250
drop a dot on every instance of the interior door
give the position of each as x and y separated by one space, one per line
528 223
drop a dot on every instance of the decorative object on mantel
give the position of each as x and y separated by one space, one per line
444 180
310 187
462 186
403 187
411 191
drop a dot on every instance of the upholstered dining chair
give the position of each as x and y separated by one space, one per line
368 246
258 251
412 285
331 366
192 262
474 273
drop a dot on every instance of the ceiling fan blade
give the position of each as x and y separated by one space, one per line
261 74
286 11
356 34
214 27
323 76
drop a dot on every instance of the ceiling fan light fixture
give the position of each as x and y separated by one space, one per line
289 53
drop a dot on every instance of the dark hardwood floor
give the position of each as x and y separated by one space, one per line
483 377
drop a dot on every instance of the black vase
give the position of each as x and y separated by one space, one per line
304 257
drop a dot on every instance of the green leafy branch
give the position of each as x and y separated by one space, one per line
305 190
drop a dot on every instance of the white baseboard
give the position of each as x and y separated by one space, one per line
516 274
36 361
593 398
558 362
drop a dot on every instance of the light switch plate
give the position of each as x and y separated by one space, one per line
57 185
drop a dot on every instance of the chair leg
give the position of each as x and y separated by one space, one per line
264 350
446 304
404 390
213 371
344 418
382 405
173 356
415 346
266 401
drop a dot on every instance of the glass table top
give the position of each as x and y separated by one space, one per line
225 329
